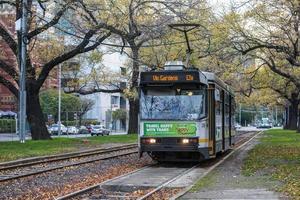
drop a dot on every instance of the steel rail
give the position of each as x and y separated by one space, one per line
13 176
163 185
185 190
67 156
168 182
89 188
98 185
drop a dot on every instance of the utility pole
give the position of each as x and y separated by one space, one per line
276 114
240 115
22 80
59 100
111 115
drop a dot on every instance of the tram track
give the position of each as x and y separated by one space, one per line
18 170
99 191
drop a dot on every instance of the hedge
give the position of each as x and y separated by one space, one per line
7 126
83 122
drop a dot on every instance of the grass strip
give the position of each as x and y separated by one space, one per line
278 155
15 150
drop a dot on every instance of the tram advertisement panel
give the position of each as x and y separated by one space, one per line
170 129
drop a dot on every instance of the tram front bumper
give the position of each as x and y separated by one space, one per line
168 144
161 145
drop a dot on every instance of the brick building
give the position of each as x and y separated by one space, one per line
8 102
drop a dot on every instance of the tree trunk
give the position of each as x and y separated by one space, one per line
286 117
293 114
298 130
35 117
80 120
133 116
134 101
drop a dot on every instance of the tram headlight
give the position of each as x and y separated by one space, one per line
185 141
152 141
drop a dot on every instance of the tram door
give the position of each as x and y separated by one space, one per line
212 119
232 119
223 119
219 119
227 119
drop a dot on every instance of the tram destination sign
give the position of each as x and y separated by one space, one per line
166 77
170 129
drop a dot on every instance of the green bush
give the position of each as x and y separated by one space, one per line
7 126
89 121
69 123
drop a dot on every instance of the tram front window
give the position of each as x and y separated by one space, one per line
176 104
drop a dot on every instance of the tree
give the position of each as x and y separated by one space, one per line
119 114
272 89
268 32
49 103
87 39
85 106
135 23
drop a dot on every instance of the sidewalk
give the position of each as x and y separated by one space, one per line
228 182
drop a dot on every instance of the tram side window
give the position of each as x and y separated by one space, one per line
218 107
218 102
232 111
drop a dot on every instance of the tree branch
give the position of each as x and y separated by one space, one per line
79 49
49 24
10 86
8 39
9 70
7 2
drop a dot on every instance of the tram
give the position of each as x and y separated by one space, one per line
185 114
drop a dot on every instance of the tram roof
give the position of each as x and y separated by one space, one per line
213 78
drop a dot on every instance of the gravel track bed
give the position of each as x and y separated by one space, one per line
63 181
38 167
104 194
165 193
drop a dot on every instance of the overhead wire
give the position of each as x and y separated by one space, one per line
110 44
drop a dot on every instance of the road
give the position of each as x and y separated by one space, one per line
5 137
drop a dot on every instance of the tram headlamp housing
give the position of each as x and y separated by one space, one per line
185 141
152 141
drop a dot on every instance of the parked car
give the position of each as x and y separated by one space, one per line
54 129
72 130
89 128
237 126
264 125
83 130
99 130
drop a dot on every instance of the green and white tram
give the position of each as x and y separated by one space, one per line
185 114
